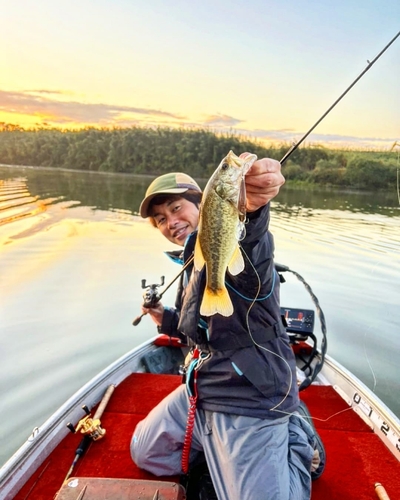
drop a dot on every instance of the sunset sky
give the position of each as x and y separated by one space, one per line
262 68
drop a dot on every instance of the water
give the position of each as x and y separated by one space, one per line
73 254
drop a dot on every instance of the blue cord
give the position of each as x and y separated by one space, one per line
250 299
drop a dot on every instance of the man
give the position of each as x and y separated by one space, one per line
242 373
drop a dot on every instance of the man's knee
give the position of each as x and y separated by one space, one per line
137 449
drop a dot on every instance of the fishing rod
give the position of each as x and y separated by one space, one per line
90 427
370 64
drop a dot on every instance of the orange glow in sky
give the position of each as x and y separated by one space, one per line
266 70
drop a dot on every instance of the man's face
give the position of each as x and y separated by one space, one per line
176 219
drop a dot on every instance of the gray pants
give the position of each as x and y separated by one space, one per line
248 458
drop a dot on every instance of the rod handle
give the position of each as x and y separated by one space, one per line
104 402
381 492
83 445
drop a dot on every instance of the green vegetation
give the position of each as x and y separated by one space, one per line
155 151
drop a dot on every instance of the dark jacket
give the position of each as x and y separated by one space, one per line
251 369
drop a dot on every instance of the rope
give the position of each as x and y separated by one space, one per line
187 442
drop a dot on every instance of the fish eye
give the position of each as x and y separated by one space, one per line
224 166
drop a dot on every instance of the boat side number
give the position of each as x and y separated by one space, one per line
357 399
385 428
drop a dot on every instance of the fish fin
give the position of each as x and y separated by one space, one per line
216 302
199 260
236 264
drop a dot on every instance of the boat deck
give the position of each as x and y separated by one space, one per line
356 457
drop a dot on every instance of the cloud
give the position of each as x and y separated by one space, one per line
226 123
335 140
51 92
222 120
63 112
53 107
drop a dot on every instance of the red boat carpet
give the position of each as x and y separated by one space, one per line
356 458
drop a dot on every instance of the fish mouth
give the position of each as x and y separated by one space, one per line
234 160
243 164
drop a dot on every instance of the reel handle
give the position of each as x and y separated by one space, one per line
138 319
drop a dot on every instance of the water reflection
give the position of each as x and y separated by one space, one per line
98 191
16 202
125 191
294 201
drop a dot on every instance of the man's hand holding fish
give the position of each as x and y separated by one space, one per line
263 181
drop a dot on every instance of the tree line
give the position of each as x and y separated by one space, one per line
155 151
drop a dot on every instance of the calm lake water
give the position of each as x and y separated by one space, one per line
73 253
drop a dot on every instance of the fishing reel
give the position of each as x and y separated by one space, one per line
88 426
151 297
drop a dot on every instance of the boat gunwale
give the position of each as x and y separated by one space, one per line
34 451
380 418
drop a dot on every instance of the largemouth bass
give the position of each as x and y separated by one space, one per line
222 213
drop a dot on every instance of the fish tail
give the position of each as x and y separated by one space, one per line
216 301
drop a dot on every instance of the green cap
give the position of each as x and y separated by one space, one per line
172 183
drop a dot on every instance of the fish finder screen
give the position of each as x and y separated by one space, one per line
298 320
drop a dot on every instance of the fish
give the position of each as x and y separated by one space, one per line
220 228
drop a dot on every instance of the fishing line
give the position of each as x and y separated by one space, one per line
372 270
369 364
323 347
37 480
323 344
396 144
251 335
315 418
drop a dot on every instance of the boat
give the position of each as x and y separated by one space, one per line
82 450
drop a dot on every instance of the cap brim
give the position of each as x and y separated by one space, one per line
144 206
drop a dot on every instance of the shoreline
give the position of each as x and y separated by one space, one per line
291 184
